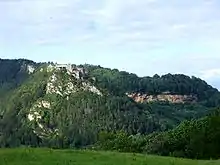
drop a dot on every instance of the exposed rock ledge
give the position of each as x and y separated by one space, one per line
141 98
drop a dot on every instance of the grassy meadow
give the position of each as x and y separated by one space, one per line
28 156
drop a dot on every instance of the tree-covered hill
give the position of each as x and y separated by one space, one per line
66 106
54 108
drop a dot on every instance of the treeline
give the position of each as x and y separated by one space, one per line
195 139
120 82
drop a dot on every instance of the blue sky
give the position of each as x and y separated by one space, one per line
140 36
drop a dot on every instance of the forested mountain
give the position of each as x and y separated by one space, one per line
69 106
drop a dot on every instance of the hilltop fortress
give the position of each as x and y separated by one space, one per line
77 72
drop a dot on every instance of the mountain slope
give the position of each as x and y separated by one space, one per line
57 108
67 105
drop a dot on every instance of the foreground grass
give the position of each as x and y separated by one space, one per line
72 157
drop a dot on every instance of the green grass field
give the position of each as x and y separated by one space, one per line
72 157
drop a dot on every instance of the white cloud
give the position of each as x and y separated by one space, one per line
179 26
211 74
170 20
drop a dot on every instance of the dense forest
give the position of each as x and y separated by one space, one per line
53 107
195 139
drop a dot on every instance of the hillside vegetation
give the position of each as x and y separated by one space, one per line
70 106
196 139
122 82
71 157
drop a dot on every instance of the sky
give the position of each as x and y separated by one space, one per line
139 36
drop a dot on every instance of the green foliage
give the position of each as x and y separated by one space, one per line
14 129
170 115
121 141
195 139
85 114
191 139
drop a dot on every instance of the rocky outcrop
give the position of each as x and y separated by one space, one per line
77 72
36 116
165 97
30 69
89 87
57 85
